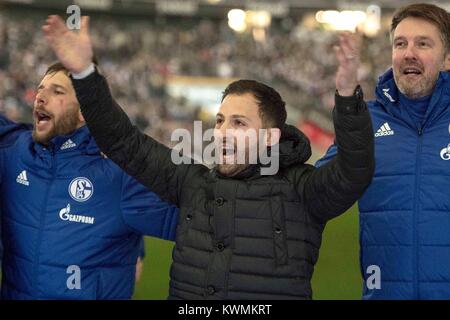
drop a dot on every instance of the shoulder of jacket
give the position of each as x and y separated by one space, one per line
295 172
22 140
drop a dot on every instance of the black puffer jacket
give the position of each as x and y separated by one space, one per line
251 237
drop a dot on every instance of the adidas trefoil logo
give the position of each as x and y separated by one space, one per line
384 130
22 178
68 144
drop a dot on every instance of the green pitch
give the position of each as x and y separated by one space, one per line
336 275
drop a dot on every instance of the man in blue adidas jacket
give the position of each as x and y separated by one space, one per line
8 134
72 221
405 212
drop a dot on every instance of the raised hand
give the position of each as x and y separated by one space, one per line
72 48
348 56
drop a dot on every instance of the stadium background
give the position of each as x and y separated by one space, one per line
167 62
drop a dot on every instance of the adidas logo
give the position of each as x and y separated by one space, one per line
68 144
22 178
384 130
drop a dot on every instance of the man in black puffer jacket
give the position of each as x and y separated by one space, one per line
241 234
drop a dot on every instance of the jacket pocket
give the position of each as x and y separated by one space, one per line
279 231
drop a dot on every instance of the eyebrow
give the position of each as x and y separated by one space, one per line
415 38
423 38
56 86
235 116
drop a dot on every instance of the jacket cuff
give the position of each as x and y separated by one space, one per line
83 74
352 104
86 88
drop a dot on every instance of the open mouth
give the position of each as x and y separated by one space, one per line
228 150
41 116
228 153
412 71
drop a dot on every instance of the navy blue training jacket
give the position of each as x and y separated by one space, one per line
72 220
405 212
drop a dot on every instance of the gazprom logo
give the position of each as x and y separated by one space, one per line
81 189
445 153
66 215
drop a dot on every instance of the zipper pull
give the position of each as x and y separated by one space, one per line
419 131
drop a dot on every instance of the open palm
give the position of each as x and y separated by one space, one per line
348 56
72 48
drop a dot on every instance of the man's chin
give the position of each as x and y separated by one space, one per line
230 170
413 92
414 87
42 137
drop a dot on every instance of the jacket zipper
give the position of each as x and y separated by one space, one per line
42 223
415 216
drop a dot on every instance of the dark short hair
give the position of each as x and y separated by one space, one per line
58 66
272 109
55 68
430 12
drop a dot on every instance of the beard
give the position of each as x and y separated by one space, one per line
239 162
415 88
231 170
65 125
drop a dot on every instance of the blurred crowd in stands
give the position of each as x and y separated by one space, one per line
139 55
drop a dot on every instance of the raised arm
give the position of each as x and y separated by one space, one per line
138 154
333 188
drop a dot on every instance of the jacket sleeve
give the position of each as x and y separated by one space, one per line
335 186
145 213
136 153
9 133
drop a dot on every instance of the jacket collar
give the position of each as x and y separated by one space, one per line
80 140
295 147
387 93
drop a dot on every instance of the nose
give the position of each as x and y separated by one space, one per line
410 51
41 99
222 131
223 128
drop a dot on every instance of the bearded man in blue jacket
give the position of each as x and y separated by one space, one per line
405 212
72 220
